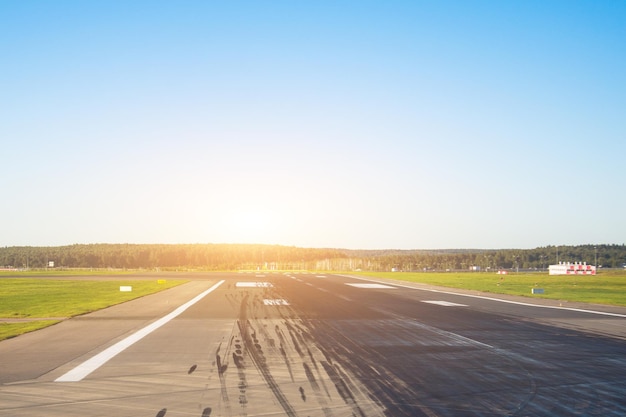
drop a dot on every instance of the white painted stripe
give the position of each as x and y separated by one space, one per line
90 365
276 302
445 303
254 284
371 286
602 313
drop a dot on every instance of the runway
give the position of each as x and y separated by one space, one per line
263 344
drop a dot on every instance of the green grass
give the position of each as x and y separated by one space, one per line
604 288
65 272
8 330
34 298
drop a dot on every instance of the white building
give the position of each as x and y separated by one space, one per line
576 268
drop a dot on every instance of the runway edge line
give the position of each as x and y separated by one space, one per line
84 369
482 297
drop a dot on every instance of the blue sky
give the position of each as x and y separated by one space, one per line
447 124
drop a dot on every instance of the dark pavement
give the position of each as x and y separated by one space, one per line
325 345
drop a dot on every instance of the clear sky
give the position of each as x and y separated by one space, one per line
361 125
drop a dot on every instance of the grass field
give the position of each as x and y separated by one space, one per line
65 272
46 301
604 288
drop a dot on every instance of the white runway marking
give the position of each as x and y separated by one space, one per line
276 302
371 286
445 303
499 300
90 365
254 284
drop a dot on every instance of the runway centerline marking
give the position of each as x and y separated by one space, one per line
95 362
243 284
371 286
275 302
444 303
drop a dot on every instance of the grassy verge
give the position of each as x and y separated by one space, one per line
32 298
65 272
8 330
604 288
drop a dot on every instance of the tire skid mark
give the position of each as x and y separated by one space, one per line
221 369
516 360
305 339
387 389
317 391
295 342
342 389
265 344
302 338
287 363
400 398
317 370
259 360
283 352
243 382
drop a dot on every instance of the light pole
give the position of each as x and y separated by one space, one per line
557 255
595 249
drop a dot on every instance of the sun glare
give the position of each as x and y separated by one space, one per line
253 225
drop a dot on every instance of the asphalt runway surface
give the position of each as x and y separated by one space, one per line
320 345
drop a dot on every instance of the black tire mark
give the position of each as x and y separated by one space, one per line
311 378
296 337
313 361
218 360
238 361
243 386
287 363
342 389
317 390
384 392
259 360
221 369
280 335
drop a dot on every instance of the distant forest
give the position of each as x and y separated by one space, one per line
215 257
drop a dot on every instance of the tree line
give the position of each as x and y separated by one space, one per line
278 257
604 256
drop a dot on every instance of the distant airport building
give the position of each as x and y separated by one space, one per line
576 268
